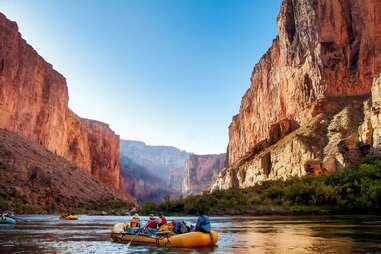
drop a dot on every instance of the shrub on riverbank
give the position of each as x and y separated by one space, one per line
349 191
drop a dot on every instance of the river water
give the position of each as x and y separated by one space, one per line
272 234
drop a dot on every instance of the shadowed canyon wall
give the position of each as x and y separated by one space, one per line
33 180
151 173
200 171
309 107
34 104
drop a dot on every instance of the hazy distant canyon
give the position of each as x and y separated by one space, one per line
153 172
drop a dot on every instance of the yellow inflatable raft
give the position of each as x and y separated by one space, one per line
70 217
188 240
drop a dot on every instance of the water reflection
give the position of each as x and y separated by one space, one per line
91 234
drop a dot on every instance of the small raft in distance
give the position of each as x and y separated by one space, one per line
187 240
70 217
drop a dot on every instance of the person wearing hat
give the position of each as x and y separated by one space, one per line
135 221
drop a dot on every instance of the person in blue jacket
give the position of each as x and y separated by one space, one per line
203 223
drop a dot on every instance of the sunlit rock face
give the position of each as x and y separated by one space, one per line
331 141
34 104
323 48
311 107
200 171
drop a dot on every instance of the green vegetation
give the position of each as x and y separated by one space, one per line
348 191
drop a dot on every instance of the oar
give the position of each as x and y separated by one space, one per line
128 245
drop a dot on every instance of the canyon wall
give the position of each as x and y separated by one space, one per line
309 108
323 48
33 180
331 141
34 104
161 161
141 183
151 173
200 171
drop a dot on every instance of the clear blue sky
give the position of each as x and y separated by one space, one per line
166 72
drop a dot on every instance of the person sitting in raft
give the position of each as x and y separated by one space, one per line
135 221
152 224
203 224
163 219
9 214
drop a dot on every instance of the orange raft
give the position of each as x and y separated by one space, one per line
188 240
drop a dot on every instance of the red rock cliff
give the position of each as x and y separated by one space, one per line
34 104
324 48
200 171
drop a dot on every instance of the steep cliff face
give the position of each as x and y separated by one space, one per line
309 109
330 141
323 48
34 104
200 171
32 179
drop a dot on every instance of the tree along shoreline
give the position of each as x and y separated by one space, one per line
351 191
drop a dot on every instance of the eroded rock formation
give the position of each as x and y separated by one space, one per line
323 48
331 141
34 104
308 109
200 171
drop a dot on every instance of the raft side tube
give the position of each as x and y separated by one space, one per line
187 240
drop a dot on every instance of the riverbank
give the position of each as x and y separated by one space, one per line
349 191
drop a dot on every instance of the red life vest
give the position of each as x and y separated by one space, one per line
163 220
152 223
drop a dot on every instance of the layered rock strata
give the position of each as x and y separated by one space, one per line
309 108
34 104
323 48
331 141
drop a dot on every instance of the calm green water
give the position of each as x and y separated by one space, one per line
273 234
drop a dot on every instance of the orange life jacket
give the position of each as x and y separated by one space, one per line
134 223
